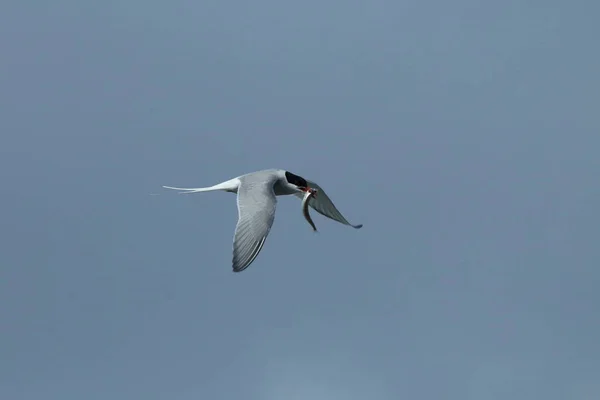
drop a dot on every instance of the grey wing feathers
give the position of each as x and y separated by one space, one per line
256 208
324 206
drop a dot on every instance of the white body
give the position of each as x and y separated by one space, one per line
257 199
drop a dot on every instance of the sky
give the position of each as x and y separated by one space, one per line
464 136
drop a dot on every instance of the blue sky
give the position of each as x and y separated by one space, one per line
463 135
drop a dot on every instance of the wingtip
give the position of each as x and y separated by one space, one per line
357 226
238 269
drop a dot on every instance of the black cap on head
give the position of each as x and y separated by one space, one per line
296 180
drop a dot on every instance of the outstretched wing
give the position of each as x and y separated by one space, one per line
322 204
256 208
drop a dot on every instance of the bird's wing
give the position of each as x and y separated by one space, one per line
256 208
324 206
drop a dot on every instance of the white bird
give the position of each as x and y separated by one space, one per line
256 202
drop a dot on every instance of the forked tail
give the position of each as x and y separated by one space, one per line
189 190
228 186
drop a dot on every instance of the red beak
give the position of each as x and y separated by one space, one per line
309 189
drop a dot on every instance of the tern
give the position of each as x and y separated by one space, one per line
256 202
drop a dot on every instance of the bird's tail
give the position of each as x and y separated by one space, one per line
228 186
190 190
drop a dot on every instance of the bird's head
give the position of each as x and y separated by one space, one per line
298 183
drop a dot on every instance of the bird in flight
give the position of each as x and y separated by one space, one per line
256 201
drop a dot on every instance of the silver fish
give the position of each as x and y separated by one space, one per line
310 193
